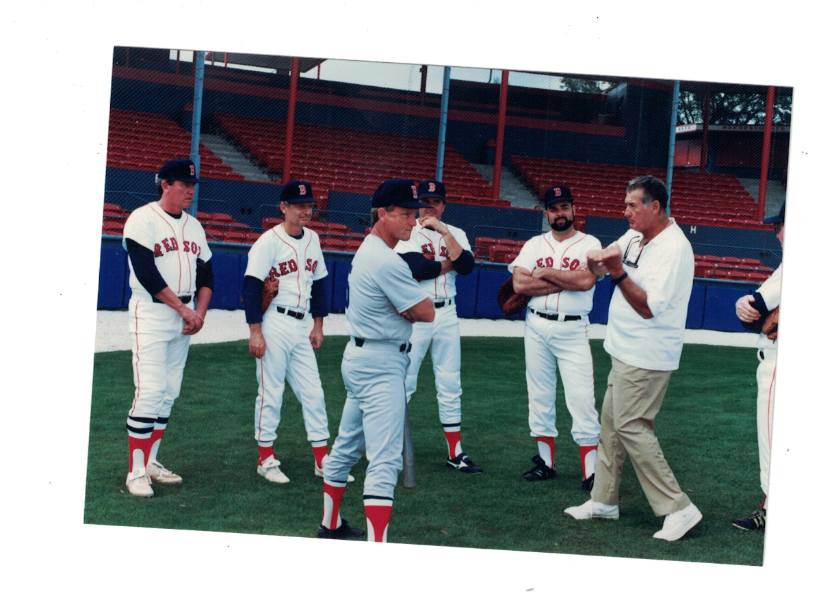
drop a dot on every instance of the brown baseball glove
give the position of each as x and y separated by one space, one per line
509 301
770 326
270 290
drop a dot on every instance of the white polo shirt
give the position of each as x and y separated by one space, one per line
664 269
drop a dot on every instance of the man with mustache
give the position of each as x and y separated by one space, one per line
551 268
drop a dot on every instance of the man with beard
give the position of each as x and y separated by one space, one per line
551 268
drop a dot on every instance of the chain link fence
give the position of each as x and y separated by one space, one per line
356 124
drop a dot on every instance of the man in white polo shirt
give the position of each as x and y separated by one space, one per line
652 267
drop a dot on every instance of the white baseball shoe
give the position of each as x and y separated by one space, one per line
319 473
679 523
270 470
593 510
157 472
138 483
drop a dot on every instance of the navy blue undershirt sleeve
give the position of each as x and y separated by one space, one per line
319 308
144 266
252 299
204 275
762 308
422 268
464 263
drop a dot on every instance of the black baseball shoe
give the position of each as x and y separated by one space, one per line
464 464
755 521
541 472
344 531
587 483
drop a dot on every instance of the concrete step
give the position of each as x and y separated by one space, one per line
513 189
224 150
774 194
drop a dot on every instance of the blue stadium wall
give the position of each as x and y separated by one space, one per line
711 305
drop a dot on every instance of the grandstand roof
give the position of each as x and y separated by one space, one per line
272 62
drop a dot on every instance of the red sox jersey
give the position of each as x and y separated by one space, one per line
296 263
176 244
429 242
544 251
771 290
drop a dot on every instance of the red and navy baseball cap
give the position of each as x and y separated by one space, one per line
557 193
178 169
297 192
397 192
431 188
780 217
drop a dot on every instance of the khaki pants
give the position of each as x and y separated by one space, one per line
633 398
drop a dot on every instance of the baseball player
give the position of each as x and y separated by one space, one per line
170 264
280 338
551 268
383 301
437 253
752 311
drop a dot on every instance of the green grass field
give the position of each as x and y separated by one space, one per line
707 428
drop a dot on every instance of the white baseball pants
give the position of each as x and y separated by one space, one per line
442 335
565 344
766 375
289 357
159 355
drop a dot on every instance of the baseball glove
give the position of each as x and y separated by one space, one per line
770 326
510 302
270 290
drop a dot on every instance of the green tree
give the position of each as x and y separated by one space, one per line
732 109
585 86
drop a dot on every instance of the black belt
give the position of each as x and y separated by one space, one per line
405 347
554 316
184 299
443 303
298 315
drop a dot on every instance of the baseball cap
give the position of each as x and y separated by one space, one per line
431 188
780 217
180 169
557 193
297 192
396 192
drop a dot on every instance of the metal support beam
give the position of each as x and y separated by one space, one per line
500 134
198 92
290 119
423 70
766 153
706 117
672 140
443 123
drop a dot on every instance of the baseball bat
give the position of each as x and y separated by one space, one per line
408 467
